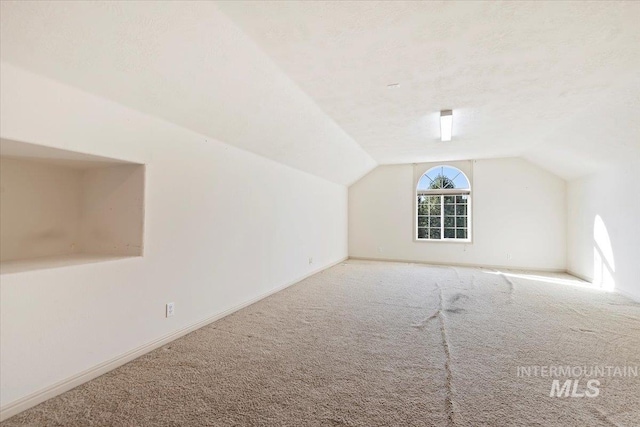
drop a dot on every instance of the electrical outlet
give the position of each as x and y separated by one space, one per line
509 256
310 260
379 249
170 309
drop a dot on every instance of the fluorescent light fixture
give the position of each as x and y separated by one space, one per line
446 124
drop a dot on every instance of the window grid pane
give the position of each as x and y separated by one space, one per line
432 224
429 208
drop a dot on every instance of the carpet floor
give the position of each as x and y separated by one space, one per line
383 344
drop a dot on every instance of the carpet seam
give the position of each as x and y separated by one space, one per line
447 362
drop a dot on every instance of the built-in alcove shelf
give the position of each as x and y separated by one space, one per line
60 208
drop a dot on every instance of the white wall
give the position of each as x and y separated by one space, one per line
518 217
222 226
113 210
39 209
604 228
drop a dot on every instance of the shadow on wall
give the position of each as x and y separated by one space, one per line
604 267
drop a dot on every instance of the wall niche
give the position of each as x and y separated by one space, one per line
60 208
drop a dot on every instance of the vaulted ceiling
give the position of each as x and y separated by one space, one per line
555 82
185 62
306 83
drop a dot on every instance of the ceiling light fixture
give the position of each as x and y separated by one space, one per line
446 124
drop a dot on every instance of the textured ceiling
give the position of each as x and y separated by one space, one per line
305 83
555 82
188 63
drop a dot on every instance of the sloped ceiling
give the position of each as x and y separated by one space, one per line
185 62
305 83
555 82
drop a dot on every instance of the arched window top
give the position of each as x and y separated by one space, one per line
443 178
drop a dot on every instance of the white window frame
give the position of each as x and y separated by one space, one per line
444 192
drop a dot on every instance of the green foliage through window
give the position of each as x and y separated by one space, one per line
443 212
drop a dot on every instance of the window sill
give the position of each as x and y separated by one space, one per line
458 241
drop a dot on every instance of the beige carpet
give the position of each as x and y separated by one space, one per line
379 344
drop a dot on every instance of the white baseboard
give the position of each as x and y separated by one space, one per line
634 297
455 264
67 384
580 276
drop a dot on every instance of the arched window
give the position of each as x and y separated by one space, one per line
443 208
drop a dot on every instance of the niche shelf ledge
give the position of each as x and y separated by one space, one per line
60 208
